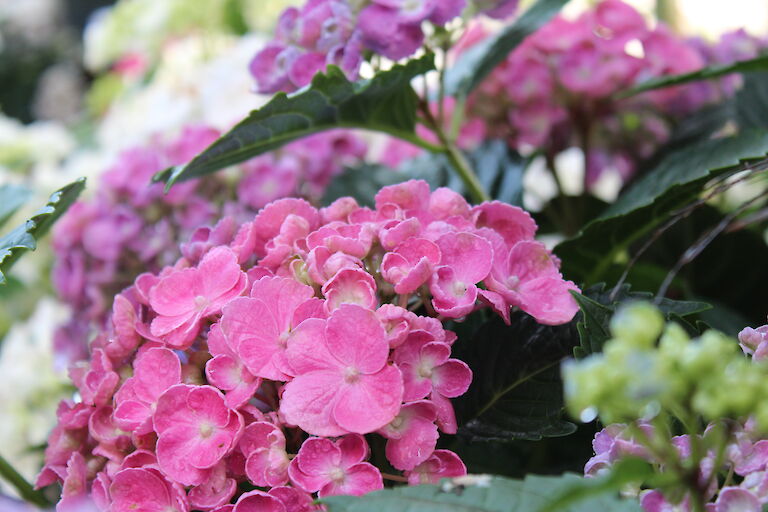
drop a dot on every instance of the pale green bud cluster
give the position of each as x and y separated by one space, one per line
649 366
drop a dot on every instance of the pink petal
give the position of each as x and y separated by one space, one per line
308 402
356 338
359 479
369 403
258 501
452 378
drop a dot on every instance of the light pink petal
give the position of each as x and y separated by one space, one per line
156 370
353 448
356 338
252 331
306 349
446 417
415 385
174 450
174 294
139 489
283 296
131 413
736 499
359 479
351 286
414 446
219 273
308 402
548 300
512 223
467 254
369 403
171 408
258 501
452 378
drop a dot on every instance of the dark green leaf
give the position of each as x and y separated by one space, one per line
751 102
477 62
516 391
716 71
385 103
482 493
674 182
12 197
24 237
598 306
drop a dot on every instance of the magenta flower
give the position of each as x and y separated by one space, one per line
411 264
154 371
465 261
441 464
182 299
412 435
195 431
351 286
257 327
426 367
145 489
341 367
227 372
217 490
330 468
263 445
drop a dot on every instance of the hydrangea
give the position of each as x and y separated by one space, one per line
343 32
269 359
558 88
649 371
102 244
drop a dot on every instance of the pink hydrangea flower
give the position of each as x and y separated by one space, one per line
182 299
147 490
330 468
412 435
263 445
341 368
154 371
426 367
257 328
465 261
226 370
441 464
195 431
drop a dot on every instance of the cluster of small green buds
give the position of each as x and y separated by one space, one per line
649 366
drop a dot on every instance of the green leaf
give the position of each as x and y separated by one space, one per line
478 61
482 493
598 306
516 390
716 71
751 102
12 197
674 182
385 103
24 488
626 471
24 237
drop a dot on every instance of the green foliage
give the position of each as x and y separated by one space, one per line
477 62
674 182
598 305
516 391
12 197
24 237
716 71
385 103
499 169
483 493
751 102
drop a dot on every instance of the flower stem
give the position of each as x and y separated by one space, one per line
24 488
394 478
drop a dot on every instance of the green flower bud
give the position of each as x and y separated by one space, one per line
638 323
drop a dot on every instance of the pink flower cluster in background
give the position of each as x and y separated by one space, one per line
130 226
558 88
342 32
746 457
263 357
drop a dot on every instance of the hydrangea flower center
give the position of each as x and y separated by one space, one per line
351 374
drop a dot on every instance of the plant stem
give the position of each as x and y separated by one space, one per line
394 478
456 158
24 488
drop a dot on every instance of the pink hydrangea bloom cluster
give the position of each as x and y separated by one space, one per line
746 456
129 226
252 373
557 89
754 342
343 32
